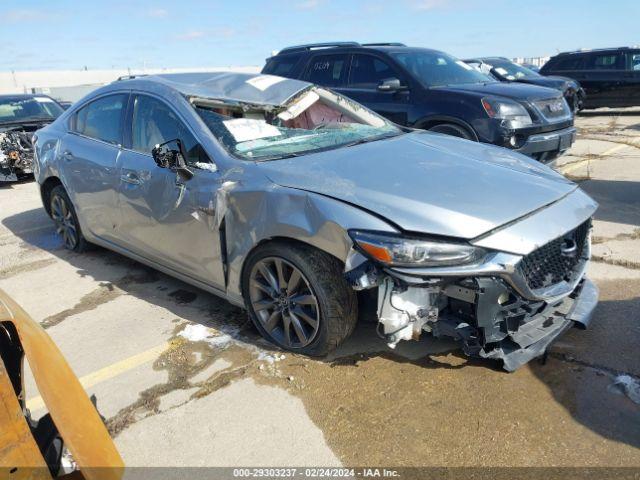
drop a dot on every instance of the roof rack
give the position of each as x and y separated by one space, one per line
384 44
311 46
587 50
130 77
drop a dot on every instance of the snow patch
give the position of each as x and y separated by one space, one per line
200 333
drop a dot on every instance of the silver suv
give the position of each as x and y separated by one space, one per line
289 199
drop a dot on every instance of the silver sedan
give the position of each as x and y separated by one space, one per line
293 201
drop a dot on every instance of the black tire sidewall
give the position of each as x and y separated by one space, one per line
298 256
451 130
59 191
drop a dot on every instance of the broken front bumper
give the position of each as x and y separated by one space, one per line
547 146
533 338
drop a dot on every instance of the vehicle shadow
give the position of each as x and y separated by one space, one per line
609 113
579 389
619 200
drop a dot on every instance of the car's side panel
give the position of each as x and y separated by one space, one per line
88 167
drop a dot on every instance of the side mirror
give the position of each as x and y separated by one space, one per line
390 85
172 155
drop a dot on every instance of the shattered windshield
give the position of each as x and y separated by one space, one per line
512 71
15 110
437 69
315 120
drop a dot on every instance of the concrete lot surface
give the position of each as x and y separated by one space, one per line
184 380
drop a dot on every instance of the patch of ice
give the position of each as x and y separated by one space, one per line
200 333
629 386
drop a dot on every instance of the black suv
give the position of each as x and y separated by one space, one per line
428 89
610 77
505 70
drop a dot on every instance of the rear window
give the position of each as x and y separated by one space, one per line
282 65
102 118
328 70
608 61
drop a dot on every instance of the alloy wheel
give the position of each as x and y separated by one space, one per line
284 302
65 222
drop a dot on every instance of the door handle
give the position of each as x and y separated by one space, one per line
130 178
67 155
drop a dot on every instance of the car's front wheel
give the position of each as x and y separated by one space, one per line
451 129
66 221
297 297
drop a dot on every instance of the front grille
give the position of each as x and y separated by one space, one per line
553 109
557 260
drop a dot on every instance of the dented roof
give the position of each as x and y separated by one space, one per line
250 88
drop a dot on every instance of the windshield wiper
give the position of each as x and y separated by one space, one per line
370 139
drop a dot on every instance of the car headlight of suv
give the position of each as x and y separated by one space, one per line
400 251
514 114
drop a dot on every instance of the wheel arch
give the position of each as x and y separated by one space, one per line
45 191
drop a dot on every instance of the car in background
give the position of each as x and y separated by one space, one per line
431 90
20 117
610 77
289 199
505 70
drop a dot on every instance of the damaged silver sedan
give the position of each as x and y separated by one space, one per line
289 199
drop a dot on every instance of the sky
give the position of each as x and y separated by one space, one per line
71 34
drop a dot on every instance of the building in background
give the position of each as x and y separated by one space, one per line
71 85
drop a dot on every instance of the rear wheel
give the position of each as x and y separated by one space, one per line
66 220
297 298
451 129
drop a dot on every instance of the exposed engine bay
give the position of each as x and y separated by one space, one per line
487 314
16 154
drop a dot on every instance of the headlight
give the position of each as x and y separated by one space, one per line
513 113
414 252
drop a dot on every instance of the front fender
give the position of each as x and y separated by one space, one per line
253 217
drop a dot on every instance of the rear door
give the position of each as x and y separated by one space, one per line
632 78
602 79
367 72
89 153
165 218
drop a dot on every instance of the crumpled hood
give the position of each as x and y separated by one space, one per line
512 90
425 182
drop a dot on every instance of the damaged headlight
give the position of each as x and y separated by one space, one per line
514 114
414 252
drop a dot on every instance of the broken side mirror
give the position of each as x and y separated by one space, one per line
391 85
172 155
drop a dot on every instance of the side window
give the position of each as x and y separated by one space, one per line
102 118
368 71
574 62
609 61
282 65
154 122
328 70
635 61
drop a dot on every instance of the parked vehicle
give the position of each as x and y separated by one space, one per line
610 77
505 70
288 198
20 116
432 90
34 448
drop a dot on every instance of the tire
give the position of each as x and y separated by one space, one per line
451 129
335 310
64 216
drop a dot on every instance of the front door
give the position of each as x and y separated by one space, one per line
366 74
164 217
